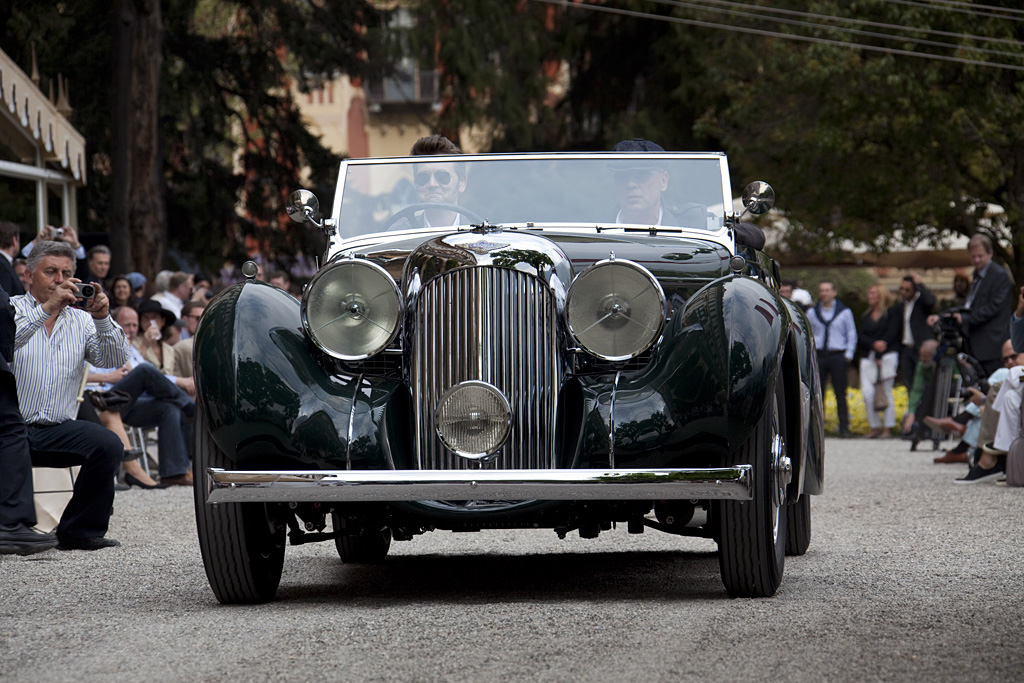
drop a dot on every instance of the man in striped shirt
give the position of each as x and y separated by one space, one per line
53 343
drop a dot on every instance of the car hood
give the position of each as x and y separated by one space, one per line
666 257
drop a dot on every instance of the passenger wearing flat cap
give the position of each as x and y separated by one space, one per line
639 185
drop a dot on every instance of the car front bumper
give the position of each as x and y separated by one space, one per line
237 486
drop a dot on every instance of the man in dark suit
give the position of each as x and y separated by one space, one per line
988 306
915 305
10 245
17 510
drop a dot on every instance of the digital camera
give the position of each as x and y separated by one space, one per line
84 293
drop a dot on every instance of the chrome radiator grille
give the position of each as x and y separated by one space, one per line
494 325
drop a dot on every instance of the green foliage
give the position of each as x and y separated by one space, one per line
876 148
230 130
493 56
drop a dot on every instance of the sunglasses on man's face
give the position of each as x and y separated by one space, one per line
442 177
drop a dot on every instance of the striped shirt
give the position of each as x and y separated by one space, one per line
49 368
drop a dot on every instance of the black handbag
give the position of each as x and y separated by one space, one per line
115 399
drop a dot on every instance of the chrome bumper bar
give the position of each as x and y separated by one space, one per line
233 486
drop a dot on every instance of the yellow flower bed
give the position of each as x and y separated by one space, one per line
858 414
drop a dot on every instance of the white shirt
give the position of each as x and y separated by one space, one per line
170 302
908 309
50 368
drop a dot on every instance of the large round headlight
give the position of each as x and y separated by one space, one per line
615 309
473 419
352 309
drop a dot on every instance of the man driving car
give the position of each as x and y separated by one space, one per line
438 182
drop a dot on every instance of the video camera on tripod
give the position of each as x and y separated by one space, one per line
947 330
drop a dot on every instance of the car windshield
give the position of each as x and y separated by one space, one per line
574 190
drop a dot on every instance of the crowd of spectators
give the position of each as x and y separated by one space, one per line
77 374
979 338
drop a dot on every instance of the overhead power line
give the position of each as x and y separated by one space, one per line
968 8
870 34
778 34
761 10
973 5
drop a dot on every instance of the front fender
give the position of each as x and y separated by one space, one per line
708 383
267 394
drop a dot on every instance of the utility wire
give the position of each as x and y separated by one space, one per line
849 20
974 6
859 32
776 34
973 11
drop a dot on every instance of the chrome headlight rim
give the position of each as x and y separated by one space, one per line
318 279
486 454
655 286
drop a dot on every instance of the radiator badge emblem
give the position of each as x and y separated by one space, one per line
482 247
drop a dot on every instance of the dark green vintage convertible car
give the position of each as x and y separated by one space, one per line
551 341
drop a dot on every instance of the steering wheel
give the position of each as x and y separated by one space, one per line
408 212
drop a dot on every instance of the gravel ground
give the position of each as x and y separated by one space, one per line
908 577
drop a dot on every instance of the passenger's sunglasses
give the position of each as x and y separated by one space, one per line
443 177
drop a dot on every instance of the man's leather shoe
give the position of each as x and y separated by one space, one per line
946 424
94 543
19 539
180 480
951 457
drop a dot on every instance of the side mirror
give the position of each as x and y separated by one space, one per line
758 198
303 206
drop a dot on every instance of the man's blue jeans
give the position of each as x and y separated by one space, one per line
160 403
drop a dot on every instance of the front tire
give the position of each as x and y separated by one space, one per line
798 526
752 533
241 544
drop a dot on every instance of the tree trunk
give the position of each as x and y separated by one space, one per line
139 230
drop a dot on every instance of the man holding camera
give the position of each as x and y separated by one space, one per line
60 329
986 315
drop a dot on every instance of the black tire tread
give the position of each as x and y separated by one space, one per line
745 560
798 526
237 573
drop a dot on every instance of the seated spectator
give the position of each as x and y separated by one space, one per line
1017 324
17 511
150 341
991 464
191 314
121 293
134 475
282 280
978 411
156 401
53 344
172 333
202 288
924 372
138 281
179 290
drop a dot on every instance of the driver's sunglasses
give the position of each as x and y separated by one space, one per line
443 177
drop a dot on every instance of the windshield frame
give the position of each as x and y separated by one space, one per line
723 235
